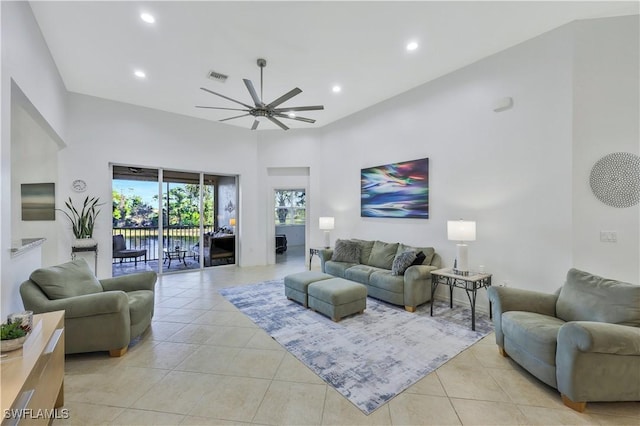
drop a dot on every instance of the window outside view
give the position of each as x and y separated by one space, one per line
290 207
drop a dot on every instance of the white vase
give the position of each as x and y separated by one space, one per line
84 242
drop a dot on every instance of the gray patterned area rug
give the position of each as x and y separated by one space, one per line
368 358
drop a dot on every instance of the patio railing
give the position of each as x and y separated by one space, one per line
146 238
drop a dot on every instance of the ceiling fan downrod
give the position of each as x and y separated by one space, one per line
261 63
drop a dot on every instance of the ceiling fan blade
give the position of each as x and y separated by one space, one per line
278 123
237 116
255 124
290 94
226 97
306 120
228 109
252 92
302 108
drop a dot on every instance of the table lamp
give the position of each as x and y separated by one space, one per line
232 223
461 231
326 224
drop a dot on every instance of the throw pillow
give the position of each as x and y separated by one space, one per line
429 252
346 251
402 261
67 280
420 257
382 254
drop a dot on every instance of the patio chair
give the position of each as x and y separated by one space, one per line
121 252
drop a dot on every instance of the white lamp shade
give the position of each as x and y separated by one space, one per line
461 230
326 223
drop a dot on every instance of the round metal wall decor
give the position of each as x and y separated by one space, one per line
615 179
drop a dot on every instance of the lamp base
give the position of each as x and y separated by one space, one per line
327 239
461 267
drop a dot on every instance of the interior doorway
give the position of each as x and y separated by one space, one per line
290 224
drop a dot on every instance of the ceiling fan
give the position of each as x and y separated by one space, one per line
270 111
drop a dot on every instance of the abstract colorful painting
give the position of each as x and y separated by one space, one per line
396 190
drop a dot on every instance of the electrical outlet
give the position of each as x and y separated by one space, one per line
608 236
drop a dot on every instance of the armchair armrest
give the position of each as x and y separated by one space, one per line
505 299
90 304
133 282
600 337
598 362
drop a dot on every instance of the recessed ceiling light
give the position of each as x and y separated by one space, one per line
412 46
292 115
148 18
139 74
336 89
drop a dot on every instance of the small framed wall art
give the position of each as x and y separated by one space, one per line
38 201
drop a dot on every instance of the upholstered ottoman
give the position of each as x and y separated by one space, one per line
295 285
337 297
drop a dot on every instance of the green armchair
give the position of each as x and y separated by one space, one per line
583 340
100 315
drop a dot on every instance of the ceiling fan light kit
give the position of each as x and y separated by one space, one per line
260 109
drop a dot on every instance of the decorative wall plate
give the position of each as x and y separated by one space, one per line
615 179
79 185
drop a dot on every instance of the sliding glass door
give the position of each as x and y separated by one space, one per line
180 220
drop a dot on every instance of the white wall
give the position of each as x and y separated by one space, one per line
605 120
28 78
34 159
101 132
522 174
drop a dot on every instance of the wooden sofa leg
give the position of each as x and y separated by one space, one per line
118 352
410 308
578 406
503 352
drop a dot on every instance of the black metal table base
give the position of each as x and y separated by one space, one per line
469 285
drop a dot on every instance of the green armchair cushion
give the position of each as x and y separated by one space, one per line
67 280
382 254
588 297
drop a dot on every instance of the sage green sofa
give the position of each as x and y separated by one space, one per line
373 268
100 315
583 340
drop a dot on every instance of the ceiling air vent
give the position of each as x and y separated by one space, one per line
217 76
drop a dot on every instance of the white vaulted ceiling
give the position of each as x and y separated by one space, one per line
360 46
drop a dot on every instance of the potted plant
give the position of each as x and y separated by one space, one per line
12 336
83 222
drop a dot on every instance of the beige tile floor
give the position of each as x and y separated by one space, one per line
204 363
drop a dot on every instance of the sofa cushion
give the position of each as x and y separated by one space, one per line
365 250
588 297
67 280
360 273
535 333
402 261
337 269
429 252
346 251
386 281
382 254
